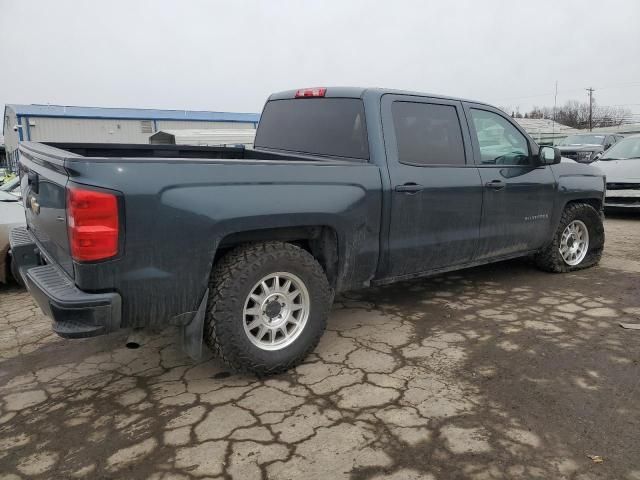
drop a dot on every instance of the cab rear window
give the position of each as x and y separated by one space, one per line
318 126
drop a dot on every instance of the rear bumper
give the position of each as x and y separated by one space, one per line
75 314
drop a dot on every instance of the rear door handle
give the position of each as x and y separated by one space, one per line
410 188
495 184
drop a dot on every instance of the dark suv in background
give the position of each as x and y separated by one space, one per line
587 147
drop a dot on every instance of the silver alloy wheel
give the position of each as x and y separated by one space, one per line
276 311
574 243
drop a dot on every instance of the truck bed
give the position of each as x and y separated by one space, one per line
122 150
180 206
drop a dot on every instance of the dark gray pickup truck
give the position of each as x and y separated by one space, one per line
345 188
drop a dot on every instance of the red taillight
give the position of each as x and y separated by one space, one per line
92 219
311 92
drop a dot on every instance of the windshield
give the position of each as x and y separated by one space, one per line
623 150
320 126
582 140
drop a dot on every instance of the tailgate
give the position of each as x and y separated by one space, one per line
43 184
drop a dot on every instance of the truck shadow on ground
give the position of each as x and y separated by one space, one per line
496 372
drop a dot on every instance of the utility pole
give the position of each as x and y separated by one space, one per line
590 90
553 126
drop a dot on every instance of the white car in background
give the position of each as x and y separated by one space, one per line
621 165
11 215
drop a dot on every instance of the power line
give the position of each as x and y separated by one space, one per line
548 94
624 85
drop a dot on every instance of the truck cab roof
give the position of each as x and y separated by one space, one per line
361 92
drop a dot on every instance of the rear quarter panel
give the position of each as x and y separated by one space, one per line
177 212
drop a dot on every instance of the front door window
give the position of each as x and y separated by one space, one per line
500 142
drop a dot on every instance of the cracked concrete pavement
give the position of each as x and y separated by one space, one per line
496 372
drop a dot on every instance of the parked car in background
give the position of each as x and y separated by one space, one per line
12 184
11 215
6 176
621 166
587 147
346 188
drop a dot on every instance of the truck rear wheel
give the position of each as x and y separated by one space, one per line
577 243
268 307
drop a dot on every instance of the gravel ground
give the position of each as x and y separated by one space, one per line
495 372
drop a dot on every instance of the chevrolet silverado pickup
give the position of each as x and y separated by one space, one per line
244 249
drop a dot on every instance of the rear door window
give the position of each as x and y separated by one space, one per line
317 126
427 134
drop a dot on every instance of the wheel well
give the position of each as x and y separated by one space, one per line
319 241
594 202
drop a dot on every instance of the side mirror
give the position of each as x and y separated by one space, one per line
549 156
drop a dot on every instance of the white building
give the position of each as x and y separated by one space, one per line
56 123
545 131
548 132
225 136
624 129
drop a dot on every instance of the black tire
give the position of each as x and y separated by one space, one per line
231 282
549 258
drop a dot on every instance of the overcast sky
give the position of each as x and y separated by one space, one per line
229 55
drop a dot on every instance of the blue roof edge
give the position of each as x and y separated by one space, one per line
61 111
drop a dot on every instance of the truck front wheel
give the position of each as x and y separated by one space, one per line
268 307
577 243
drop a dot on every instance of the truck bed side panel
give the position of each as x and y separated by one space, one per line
177 213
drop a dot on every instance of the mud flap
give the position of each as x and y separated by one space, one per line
192 332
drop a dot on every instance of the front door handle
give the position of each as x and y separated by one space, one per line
410 188
495 184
